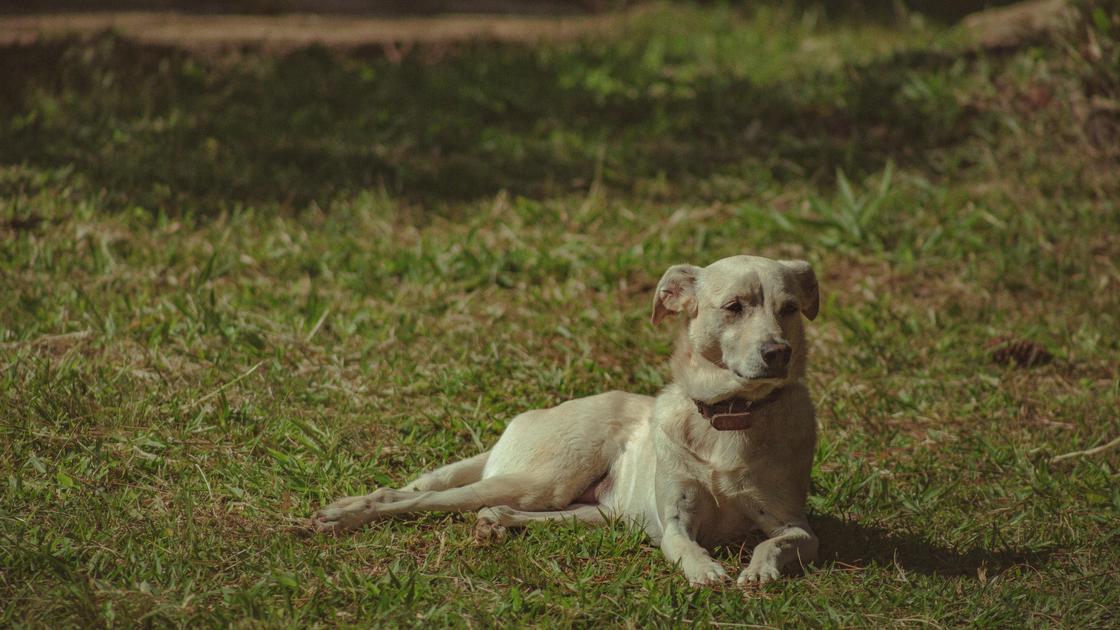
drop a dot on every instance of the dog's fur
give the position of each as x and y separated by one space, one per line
657 461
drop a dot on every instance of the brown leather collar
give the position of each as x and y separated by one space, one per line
734 414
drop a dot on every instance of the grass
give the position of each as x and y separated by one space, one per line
234 288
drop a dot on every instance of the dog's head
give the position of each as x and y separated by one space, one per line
744 319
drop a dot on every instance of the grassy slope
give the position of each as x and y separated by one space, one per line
234 289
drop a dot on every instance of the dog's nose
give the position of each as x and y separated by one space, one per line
776 355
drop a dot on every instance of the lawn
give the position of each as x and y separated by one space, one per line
234 287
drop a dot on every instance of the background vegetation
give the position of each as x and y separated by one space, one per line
233 288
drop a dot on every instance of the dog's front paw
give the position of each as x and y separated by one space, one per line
343 515
763 568
705 572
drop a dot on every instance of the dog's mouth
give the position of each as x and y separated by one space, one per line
766 376
759 385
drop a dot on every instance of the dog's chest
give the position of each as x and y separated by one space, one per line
735 506
727 522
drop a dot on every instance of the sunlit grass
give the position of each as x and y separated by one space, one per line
194 353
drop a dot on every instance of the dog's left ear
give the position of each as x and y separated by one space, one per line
676 292
808 293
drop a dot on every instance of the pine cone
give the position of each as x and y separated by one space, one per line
1006 350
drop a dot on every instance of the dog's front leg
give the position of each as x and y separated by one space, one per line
789 544
678 502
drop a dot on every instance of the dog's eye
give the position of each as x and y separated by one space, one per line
789 308
734 307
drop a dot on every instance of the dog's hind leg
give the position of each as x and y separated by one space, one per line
450 476
523 491
493 521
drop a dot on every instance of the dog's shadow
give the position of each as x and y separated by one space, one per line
848 544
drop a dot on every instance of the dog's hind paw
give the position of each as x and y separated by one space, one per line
343 515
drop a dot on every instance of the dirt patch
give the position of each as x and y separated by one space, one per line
287 32
1011 26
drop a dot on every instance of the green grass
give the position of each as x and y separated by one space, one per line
232 289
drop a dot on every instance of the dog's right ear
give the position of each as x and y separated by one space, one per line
676 292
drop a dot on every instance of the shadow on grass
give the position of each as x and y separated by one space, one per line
859 545
159 128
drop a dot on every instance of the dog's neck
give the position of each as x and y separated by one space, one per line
719 396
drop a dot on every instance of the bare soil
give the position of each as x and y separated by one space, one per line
285 32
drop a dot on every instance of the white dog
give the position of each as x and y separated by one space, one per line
725 449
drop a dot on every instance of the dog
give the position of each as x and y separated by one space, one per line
723 450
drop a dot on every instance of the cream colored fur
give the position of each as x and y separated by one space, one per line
656 461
